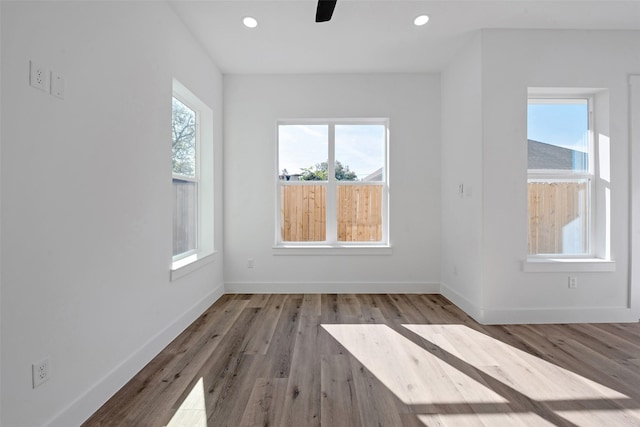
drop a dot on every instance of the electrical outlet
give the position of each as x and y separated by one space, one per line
41 372
250 263
573 282
38 76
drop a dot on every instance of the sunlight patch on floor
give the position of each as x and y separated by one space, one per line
453 372
410 372
525 373
192 412
613 417
483 420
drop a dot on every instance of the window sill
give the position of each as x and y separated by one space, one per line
332 250
189 264
568 265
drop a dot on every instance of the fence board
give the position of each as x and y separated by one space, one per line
303 213
184 216
557 217
300 231
359 213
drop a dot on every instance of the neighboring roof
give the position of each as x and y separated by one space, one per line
290 177
374 176
546 156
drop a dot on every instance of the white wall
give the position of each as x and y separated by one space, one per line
253 104
462 165
511 62
0 219
634 82
86 201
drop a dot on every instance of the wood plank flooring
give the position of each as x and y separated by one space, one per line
380 360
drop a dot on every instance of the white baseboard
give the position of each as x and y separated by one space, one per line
86 404
515 316
559 315
332 288
462 303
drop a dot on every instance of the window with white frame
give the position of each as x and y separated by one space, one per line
561 175
192 169
186 174
332 183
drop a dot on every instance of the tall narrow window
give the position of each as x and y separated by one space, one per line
192 170
560 176
332 182
185 179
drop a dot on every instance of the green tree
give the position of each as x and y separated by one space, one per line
183 125
321 171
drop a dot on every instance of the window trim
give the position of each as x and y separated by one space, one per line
331 246
599 259
186 262
554 175
195 178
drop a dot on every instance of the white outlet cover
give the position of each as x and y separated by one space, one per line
41 372
38 76
57 85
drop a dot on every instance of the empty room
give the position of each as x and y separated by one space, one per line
304 213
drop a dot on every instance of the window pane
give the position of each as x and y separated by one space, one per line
184 216
303 151
558 134
303 213
558 217
360 151
184 139
359 213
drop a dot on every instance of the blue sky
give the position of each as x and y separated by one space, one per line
561 124
361 147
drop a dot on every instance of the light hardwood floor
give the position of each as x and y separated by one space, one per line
380 360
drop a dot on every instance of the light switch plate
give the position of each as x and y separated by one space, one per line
57 85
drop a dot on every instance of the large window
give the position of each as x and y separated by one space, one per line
332 182
192 169
561 164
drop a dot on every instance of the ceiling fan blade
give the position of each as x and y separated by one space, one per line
325 10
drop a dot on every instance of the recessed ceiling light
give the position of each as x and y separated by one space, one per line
421 20
250 22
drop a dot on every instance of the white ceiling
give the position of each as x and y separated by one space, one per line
375 36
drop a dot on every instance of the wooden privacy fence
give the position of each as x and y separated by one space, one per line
303 213
558 217
359 213
184 216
